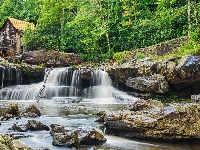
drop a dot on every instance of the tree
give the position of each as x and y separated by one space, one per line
189 19
6 10
196 14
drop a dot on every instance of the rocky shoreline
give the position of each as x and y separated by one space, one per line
142 120
61 135
150 119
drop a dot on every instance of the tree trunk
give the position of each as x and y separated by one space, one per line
196 14
62 29
189 19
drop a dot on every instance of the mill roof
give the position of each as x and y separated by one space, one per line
21 25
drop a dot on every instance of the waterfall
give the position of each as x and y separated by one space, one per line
10 76
76 84
61 84
102 85
18 76
2 75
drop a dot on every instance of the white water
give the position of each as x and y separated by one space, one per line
74 116
61 83
66 82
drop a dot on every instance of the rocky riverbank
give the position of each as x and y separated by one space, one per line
62 137
150 119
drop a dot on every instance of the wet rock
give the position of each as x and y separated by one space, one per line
144 105
36 125
101 119
64 137
155 83
70 140
13 110
174 122
91 137
1 114
101 115
55 128
31 111
73 138
8 143
19 128
31 125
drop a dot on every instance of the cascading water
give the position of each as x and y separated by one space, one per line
103 88
2 75
65 84
18 76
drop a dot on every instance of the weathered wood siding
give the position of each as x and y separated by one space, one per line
10 38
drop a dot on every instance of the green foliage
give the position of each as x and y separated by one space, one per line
139 55
21 63
42 65
173 97
121 57
96 29
96 57
192 46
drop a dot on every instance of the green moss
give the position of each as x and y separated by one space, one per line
139 55
6 141
100 113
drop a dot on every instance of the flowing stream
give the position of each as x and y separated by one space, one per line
66 103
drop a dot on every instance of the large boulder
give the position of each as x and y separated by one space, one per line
75 138
36 125
173 122
51 58
178 74
155 83
184 70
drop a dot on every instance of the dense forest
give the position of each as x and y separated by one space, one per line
96 29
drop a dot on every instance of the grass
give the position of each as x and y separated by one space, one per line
173 97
